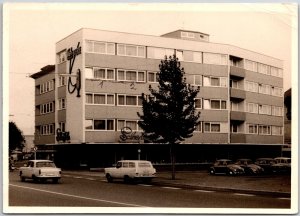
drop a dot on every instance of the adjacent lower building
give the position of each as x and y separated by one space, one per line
86 104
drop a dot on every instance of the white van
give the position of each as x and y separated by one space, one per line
131 170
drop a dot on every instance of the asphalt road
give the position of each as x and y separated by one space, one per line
87 191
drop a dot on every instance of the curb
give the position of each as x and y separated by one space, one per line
220 189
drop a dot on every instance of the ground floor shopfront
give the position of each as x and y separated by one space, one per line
87 156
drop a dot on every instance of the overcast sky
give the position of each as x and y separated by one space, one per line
31 31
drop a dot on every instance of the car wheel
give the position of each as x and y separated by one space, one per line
55 181
35 179
212 172
109 178
147 180
126 179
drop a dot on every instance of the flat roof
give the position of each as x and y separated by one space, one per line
45 70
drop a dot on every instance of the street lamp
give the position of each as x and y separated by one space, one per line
139 154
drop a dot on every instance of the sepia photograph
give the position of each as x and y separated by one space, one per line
150 108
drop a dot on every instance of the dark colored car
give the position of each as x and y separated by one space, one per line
227 167
249 167
281 165
265 163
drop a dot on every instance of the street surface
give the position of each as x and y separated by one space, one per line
75 190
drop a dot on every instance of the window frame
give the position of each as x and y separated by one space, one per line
131 45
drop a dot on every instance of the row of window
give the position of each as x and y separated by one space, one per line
264 109
182 55
46 108
264 129
206 127
218 104
140 76
50 107
48 129
46 87
263 89
263 68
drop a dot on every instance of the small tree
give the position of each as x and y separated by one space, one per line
16 138
169 112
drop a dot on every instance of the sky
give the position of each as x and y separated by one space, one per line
31 31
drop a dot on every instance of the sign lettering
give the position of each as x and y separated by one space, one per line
128 135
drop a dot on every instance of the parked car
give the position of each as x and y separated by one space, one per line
249 167
225 166
265 163
40 170
131 170
281 165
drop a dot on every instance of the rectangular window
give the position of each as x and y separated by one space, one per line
190 56
141 76
277 130
252 128
252 108
131 50
262 68
99 99
62 126
251 86
276 91
99 73
100 47
152 77
159 53
198 128
250 65
197 80
264 130
131 100
101 124
104 73
133 124
277 111
215 81
61 103
214 127
198 103
213 58
215 104
62 57
264 89
265 109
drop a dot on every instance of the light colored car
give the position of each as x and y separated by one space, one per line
40 170
281 165
131 170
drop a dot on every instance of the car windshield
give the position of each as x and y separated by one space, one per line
45 164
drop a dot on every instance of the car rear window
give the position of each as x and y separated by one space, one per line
45 164
144 164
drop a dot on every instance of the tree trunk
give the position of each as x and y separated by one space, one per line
172 156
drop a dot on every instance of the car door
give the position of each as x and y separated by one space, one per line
28 170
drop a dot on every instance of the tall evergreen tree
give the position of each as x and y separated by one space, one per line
169 113
16 138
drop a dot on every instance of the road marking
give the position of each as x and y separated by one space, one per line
92 179
78 177
66 175
104 180
145 185
205 191
172 188
79 197
241 194
284 198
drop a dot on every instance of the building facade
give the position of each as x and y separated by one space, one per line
94 91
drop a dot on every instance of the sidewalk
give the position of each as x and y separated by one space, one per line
201 180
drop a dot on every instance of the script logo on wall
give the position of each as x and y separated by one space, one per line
71 56
127 135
